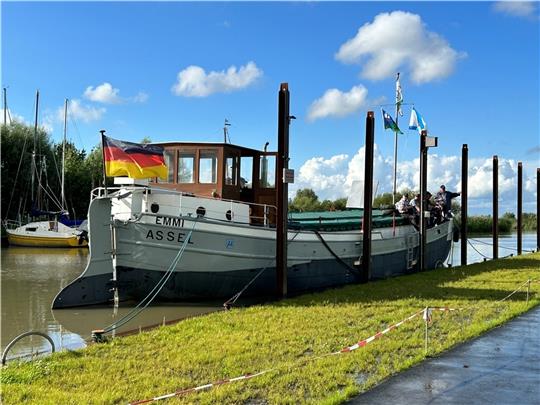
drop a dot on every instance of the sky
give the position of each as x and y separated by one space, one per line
176 71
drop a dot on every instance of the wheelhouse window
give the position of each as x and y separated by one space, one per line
186 165
246 172
208 167
231 170
267 172
169 162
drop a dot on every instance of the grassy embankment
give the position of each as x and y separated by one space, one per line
285 335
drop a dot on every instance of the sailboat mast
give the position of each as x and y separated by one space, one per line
63 196
5 106
35 143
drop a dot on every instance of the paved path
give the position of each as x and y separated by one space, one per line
500 367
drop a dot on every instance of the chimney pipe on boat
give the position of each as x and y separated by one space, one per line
368 197
282 189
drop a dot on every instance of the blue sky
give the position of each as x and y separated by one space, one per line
121 61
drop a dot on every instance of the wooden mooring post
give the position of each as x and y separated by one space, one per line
423 196
495 226
464 201
519 207
282 190
538 209
368 197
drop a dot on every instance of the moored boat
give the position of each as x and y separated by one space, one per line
229 242
45 234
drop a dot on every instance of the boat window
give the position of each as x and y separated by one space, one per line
246 172
267 168
169 162
231 168
186 163
208 166
30 229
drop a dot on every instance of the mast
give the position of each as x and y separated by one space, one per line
35 142
62 193
5 106
399 99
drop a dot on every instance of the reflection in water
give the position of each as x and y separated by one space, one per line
31 277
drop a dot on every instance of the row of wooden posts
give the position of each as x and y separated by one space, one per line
284 119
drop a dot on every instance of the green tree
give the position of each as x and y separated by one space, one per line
304 201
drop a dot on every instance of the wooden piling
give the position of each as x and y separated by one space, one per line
538 209
519 207
495 226
368 196
423 196
282 190
464 201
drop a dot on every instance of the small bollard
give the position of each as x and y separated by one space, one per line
97 336
164 323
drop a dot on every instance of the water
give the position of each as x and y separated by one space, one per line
31 277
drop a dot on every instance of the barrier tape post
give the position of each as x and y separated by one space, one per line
528 289
427 319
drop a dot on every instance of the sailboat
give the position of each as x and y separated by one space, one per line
52 232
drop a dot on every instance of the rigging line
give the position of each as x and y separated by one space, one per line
53 199
56 199
71 117
17 175
227 304
156 290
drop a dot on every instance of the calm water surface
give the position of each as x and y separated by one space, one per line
31 277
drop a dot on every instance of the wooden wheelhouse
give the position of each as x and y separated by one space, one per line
221 170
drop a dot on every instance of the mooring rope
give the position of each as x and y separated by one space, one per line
143 304
501 246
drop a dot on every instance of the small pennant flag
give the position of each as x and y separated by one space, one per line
390 123
399 96
135 160
417 121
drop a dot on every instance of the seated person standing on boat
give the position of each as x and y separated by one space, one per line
444 198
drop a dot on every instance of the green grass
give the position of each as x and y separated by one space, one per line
285 335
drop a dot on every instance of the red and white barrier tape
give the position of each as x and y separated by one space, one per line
347 349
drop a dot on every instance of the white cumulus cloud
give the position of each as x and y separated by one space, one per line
104 93
80 111
336 103
515 8
399 39
332 177
193 81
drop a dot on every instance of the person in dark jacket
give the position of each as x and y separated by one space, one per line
444 198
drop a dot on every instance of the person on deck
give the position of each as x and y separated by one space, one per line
403 205
444 199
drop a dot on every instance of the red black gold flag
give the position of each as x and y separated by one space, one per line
135 160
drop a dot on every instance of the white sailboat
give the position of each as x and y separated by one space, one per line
50 233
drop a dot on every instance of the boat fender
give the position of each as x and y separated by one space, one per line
455 235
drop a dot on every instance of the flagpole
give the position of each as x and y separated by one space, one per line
102 132
396 144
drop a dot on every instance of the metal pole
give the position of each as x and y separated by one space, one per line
102 132
63 195
423 196
538 209
464 201
5 106
282 190
495 226
35 143
368 196
519 208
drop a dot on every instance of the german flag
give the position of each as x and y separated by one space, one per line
135 160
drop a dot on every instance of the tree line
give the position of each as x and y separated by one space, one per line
83 172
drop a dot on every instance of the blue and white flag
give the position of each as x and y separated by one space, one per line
417 121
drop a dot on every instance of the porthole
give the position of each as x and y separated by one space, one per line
201 212
229 215
154 208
